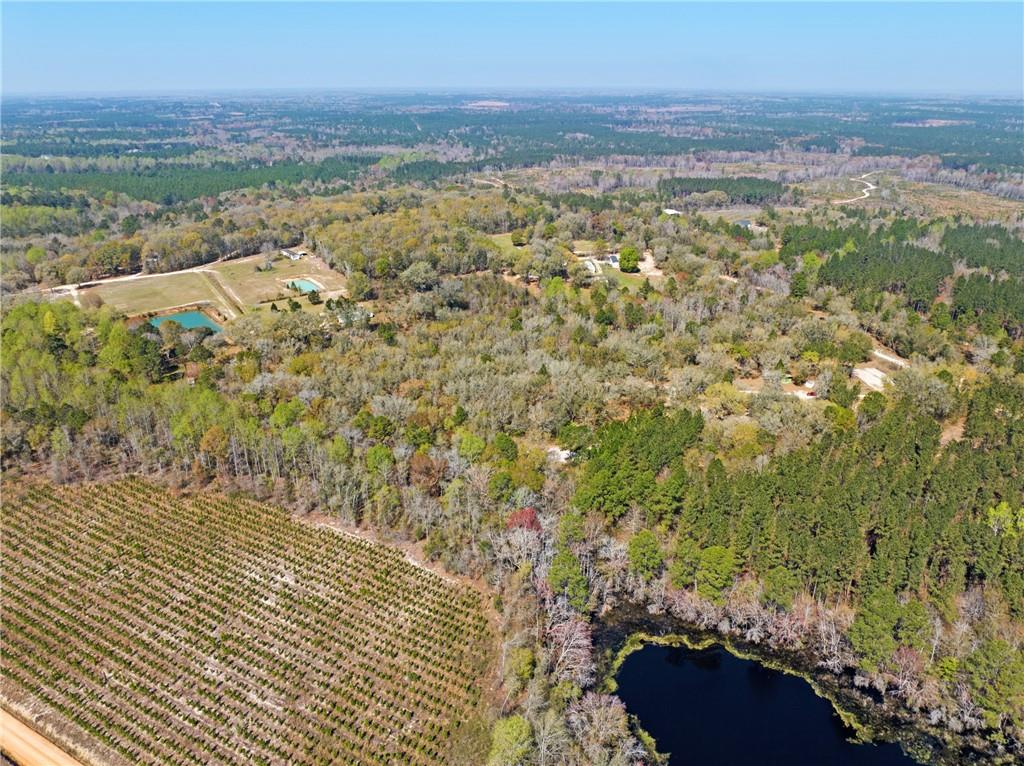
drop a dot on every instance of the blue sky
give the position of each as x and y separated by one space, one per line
855 47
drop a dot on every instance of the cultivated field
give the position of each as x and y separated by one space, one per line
144 628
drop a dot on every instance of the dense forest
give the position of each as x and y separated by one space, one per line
172 184
986 247
753 191
902 259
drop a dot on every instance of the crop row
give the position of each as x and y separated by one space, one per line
211 629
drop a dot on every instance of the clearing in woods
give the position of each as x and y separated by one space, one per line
160 292
229 287
254 287
143 627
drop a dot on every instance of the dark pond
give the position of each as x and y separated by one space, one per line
708 707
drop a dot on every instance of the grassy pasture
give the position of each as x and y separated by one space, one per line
255 287
230 287
584 247
632 281
159 292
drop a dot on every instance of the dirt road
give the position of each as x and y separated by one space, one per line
890 358
495 182
231 300
27 747
868 187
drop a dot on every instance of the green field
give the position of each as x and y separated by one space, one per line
584 246
151 294
632 281
504 243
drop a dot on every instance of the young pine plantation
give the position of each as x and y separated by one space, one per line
144 628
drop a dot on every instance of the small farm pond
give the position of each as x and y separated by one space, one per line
708 706
304 286
187 319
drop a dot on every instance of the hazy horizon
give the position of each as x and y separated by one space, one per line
510 91
858 49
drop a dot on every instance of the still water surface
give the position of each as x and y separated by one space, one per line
710 708
187 319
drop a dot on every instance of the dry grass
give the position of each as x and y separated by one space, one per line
255 287
946 201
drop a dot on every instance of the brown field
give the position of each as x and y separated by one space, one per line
940 200
931 200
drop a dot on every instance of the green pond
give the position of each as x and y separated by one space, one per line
187 319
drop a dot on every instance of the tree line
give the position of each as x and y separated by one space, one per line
745 189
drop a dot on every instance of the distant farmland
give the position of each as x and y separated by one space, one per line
140 627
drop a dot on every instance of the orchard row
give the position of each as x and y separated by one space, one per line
217 630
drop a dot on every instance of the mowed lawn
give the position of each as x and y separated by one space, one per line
504 243
584 247
254 287
632 281
158 293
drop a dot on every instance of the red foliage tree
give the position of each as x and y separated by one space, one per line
524 518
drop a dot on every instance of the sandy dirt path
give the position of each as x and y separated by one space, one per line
868 187
27 747
231 300
494 181
890 358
